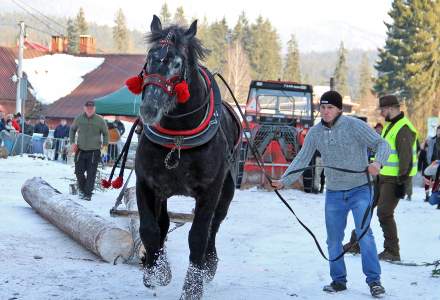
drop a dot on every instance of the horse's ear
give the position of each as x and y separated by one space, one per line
192 30
156 25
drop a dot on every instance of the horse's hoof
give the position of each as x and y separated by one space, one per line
193 286
159 274
211 267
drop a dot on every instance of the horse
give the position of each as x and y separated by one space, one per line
188 147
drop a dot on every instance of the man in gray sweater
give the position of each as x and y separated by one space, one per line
343 142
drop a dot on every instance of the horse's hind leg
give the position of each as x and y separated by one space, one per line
220 214
156 267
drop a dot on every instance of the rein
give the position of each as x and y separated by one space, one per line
260 164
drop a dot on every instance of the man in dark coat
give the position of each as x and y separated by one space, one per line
396 174
28 128
119 125
61 134
41 127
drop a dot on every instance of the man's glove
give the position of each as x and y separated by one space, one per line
400 191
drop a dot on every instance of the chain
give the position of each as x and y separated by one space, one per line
177 146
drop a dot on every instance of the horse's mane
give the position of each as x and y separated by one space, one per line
195 50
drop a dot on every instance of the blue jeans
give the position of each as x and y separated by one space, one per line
337 206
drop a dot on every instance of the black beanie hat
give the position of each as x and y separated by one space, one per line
333 98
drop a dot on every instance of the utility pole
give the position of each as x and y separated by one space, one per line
18 104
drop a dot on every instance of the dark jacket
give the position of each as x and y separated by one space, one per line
61 132
41 128
2 124
120 126
28 129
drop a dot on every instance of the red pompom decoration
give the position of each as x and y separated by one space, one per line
182 92
105 183
117 183
134 84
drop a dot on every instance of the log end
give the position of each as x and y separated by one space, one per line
115 243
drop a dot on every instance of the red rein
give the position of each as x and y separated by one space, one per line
171 86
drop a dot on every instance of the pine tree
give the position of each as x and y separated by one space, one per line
291 70
81 23
120 32
165 15
365 78
341 72
265 56
393 56
72 37
217 43
409 64
179 17
242 33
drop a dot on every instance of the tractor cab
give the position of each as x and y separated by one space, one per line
279 115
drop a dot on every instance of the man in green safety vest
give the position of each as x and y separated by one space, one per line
396 173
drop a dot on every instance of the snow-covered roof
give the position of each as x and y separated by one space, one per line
55 76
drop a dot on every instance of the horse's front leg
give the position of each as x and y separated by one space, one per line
157 270
198 240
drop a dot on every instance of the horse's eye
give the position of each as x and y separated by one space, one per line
177 65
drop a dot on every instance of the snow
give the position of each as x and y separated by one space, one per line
55 76
264 252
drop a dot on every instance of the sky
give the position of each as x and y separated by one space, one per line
294 16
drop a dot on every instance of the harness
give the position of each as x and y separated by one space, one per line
203 133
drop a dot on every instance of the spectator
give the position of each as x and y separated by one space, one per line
41 127
397 172
433 151
2 124
60 134
16 121
119 125
92 139
434 178
422 164
378 128
28 127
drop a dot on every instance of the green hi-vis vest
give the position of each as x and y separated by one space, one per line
391 167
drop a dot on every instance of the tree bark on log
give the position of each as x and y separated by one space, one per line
100 236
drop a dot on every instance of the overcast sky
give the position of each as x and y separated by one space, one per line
287 16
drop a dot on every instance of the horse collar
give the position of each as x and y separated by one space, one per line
193 137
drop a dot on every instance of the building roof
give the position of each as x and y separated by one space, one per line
8 68
107 78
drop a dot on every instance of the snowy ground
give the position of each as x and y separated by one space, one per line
264 253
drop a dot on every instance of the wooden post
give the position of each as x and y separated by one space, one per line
100 236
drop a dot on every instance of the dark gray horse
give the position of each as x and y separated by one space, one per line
197 161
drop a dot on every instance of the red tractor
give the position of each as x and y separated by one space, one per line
279 115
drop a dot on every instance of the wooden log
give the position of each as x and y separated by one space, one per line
132 209
100 236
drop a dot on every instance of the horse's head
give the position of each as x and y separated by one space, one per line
173 55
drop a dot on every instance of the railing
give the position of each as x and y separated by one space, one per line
56 149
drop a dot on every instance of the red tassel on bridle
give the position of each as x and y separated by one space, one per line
134 84
180 90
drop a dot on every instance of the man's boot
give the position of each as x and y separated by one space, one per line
389 255
427 196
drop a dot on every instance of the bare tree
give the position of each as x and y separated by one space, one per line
237 72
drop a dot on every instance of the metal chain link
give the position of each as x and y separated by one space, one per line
177 146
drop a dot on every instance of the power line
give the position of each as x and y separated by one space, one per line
39 30
63 27
35 17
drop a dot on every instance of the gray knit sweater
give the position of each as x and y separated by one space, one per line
344 145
